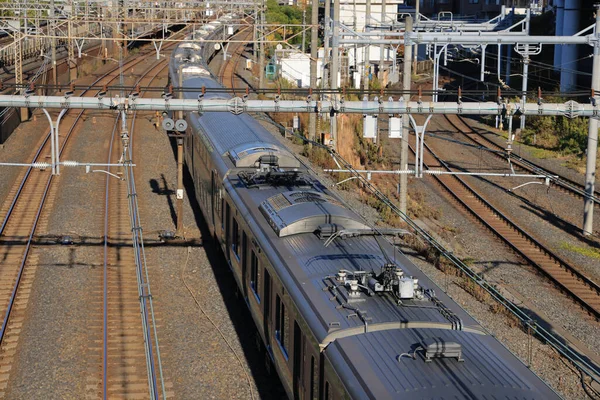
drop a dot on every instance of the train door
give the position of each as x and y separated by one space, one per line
227 229
245 264
298 376
214 200
267 306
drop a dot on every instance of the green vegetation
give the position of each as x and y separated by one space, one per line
542 153
318 156
284 84
288 15
565 135
586 251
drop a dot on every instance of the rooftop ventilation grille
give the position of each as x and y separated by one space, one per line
195 70
283 200
279 202
440 348
303 211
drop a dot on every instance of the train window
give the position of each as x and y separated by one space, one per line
281 325
235 238
254 275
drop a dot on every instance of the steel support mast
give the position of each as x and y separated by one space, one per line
406 82
314 48
592 148
335 58
367 48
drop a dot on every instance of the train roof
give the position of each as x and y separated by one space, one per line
238 139
372 331
488 369
381 348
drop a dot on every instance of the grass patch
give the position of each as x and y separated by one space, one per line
585 251
542 153
575 163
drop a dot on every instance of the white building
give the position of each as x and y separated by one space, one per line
353 13
295 66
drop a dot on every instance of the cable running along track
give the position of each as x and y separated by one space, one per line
127 349
22 217
566 276
476 136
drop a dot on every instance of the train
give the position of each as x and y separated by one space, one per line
340 312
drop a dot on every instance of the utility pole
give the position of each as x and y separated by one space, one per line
382 48
304 29
367 50
525 66
325 79
354 23
102 12
179 193
24 112
255 34
335 60
592 148
314 47
524 86
53 33
261 58
71 63
416 48
123 13
406 82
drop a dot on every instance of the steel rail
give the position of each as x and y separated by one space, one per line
41 148
14 291
105 267
16 198
140 258
545 251
562 182
105 273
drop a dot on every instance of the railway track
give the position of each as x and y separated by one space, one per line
227 72
563 183
565 276
23 216
126 341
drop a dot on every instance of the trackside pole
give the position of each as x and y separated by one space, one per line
406 80
179 194
179 232
592 148
314 44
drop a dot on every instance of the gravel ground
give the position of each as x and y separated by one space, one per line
20 147
525 209
550 214
55 347
197 361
